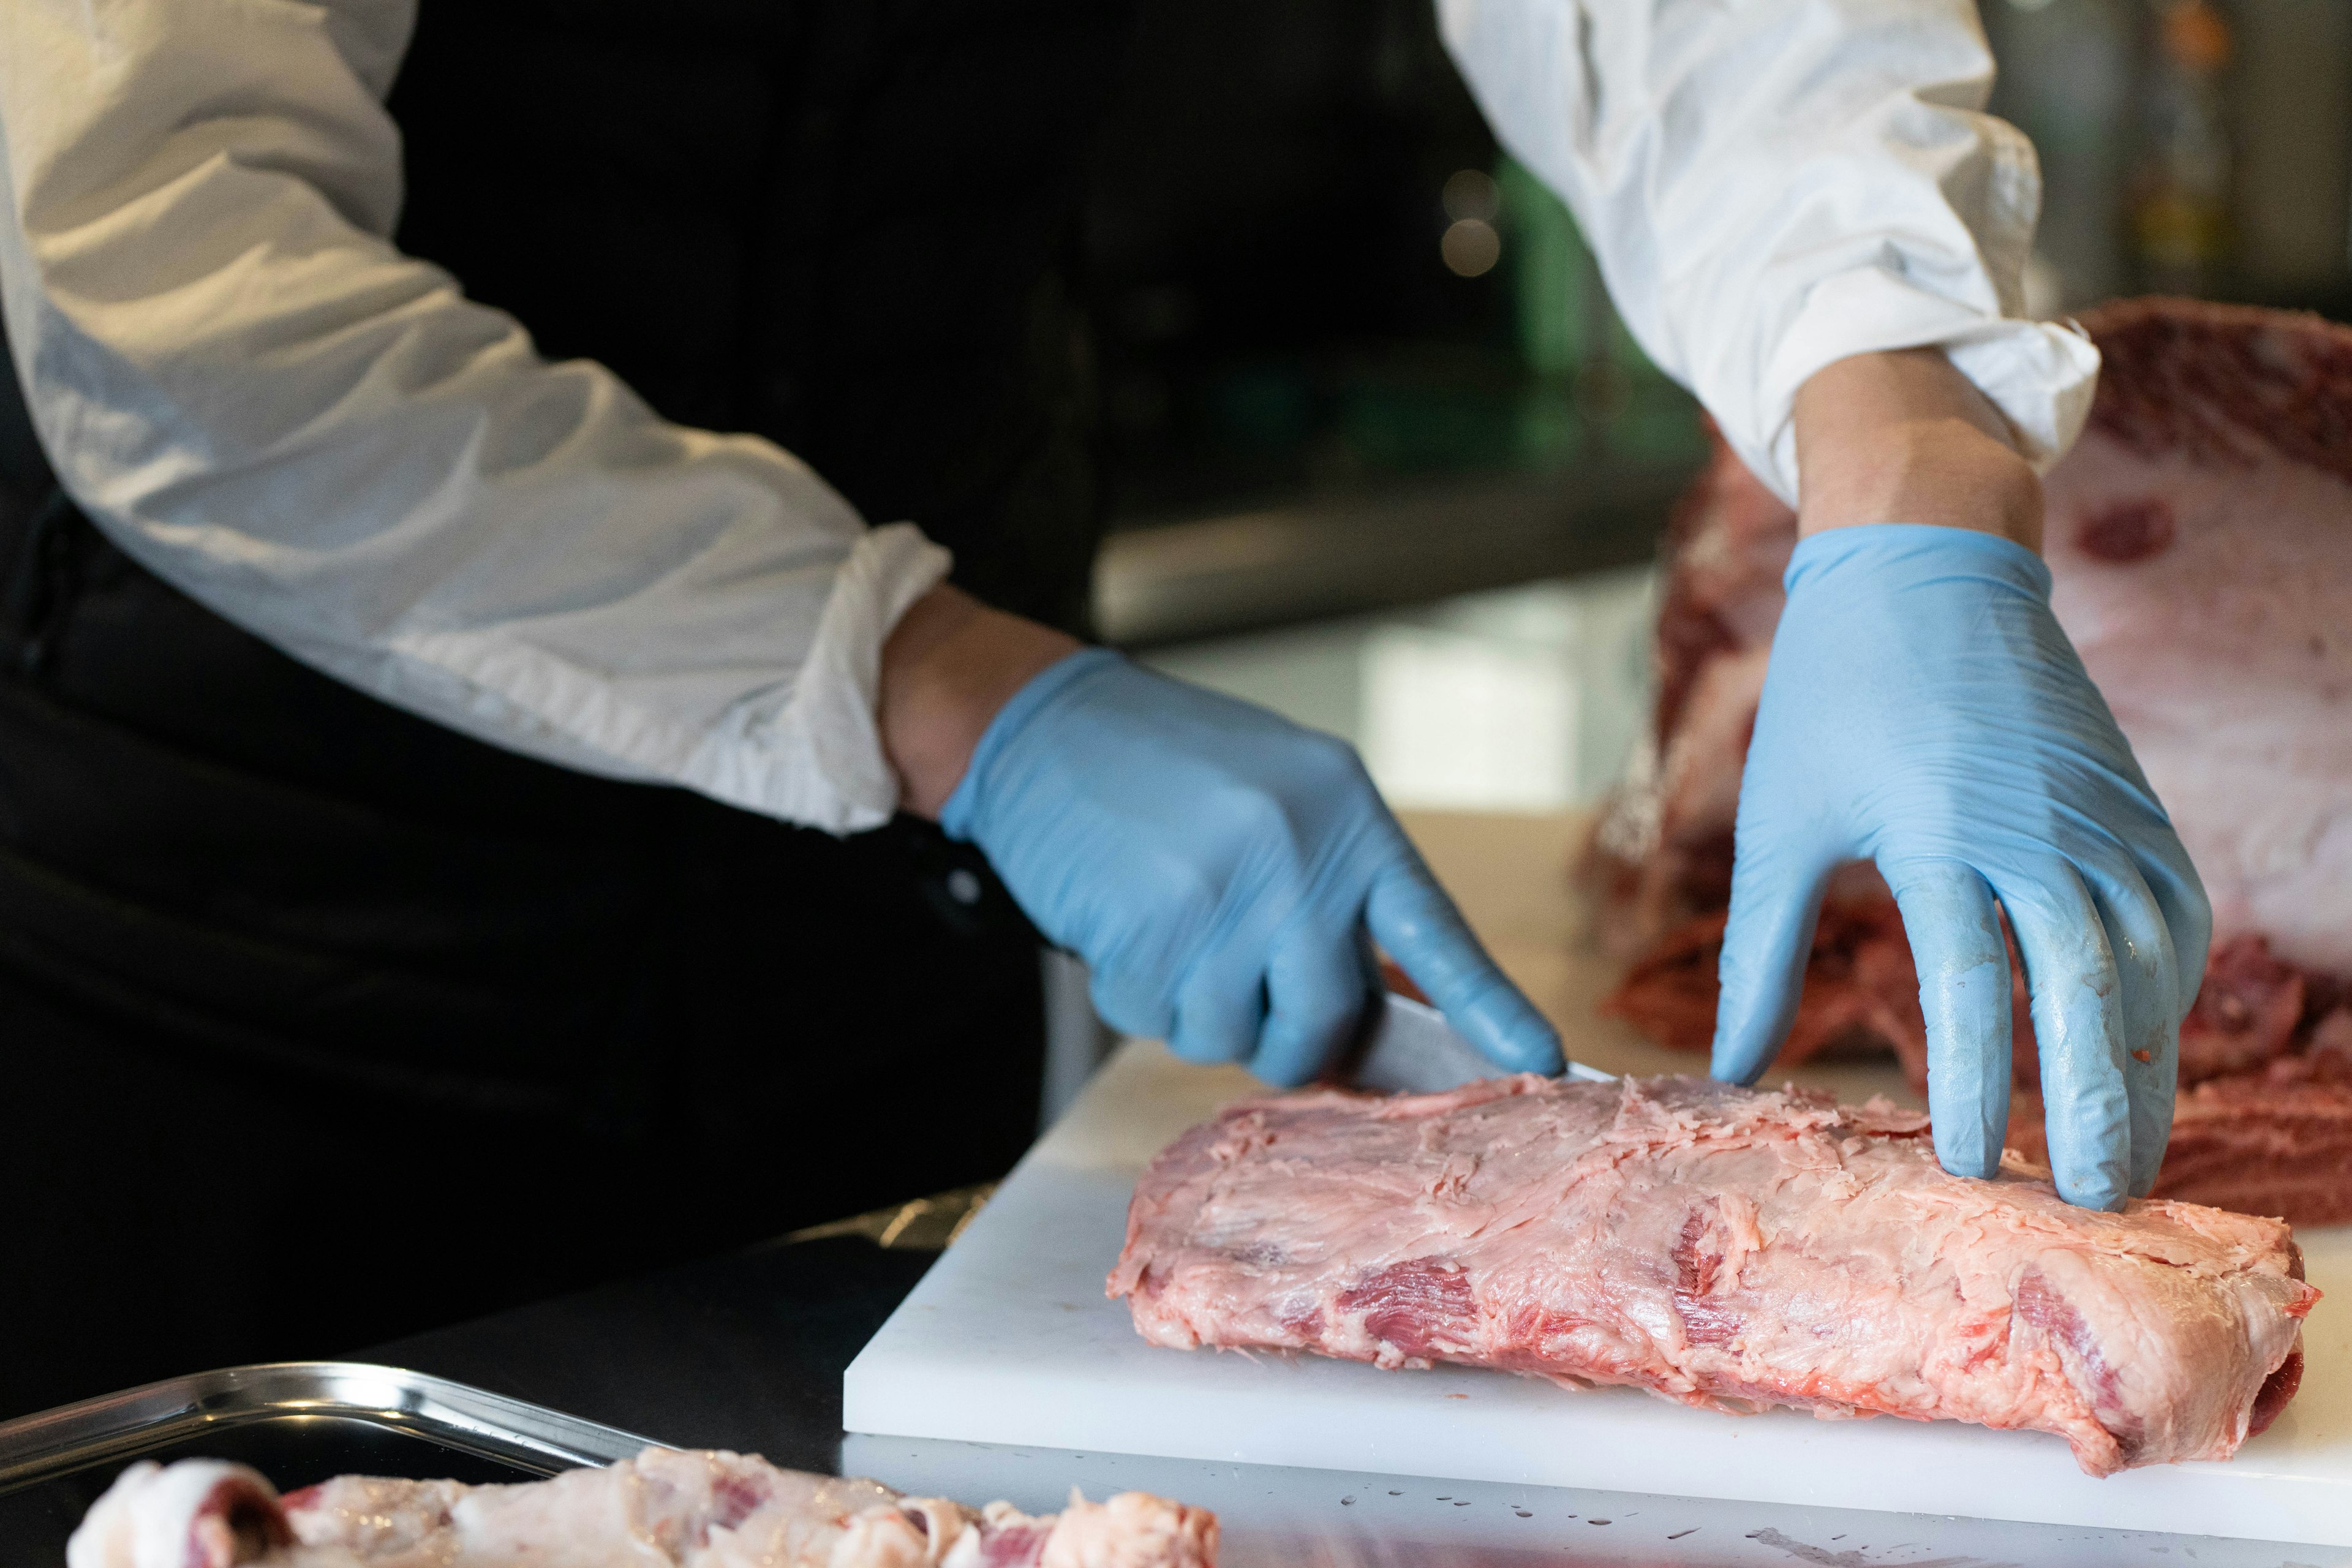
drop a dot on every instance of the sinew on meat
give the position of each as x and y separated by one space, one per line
1724 1247
2200 539
691 1509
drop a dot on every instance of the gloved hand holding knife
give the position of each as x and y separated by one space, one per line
1222 870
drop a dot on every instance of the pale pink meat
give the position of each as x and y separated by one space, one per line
689 1508
1720 1247
2199 539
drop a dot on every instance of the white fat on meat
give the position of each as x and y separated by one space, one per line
665 1508
1717 1247
197 1513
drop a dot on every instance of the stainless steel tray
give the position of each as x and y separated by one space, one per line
297 1422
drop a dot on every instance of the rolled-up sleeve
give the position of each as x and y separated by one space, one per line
1772 185
258 397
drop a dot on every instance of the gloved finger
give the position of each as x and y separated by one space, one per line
1318 984
1411 916
2078 1027
1221 1006
2148 980
2188 914
1964 990
1767 939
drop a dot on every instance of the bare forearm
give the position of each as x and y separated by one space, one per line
1904 437
949 665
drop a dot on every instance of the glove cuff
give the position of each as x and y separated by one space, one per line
1911 551
960 817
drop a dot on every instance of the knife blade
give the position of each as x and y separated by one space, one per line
1409 1048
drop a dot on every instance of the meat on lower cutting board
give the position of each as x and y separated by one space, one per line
2200 542
683 1508
1720 1247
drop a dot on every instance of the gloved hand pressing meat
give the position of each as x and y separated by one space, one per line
1219 867
1923 709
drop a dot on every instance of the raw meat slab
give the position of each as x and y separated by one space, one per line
1010 1340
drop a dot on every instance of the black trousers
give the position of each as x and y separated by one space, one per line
319 1023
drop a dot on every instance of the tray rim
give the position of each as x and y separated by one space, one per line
69 1439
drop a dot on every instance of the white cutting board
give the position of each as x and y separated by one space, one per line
1010 1340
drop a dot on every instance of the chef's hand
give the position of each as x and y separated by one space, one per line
1923 709
1218 868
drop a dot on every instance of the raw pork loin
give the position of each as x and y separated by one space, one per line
2199 539
692 1510
1720 1247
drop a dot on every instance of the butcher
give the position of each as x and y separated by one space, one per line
437 764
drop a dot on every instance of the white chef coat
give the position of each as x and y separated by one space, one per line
241 381
1772 185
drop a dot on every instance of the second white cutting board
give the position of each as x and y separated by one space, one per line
1009 1340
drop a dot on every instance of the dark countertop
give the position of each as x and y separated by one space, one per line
743 1351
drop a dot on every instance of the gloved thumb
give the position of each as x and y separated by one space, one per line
1766 943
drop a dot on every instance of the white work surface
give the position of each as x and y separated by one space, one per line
1009 1340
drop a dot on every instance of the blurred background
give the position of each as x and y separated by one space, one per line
1380 454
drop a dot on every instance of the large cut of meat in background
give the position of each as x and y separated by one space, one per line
2200 537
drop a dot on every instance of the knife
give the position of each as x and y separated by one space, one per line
1409 1048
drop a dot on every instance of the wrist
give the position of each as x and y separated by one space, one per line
1902 436
948 667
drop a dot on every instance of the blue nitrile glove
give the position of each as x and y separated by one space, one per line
1923 709
1218 868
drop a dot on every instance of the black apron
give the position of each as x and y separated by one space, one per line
320 1023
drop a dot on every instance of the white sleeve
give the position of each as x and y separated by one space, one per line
257 396
1772 185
